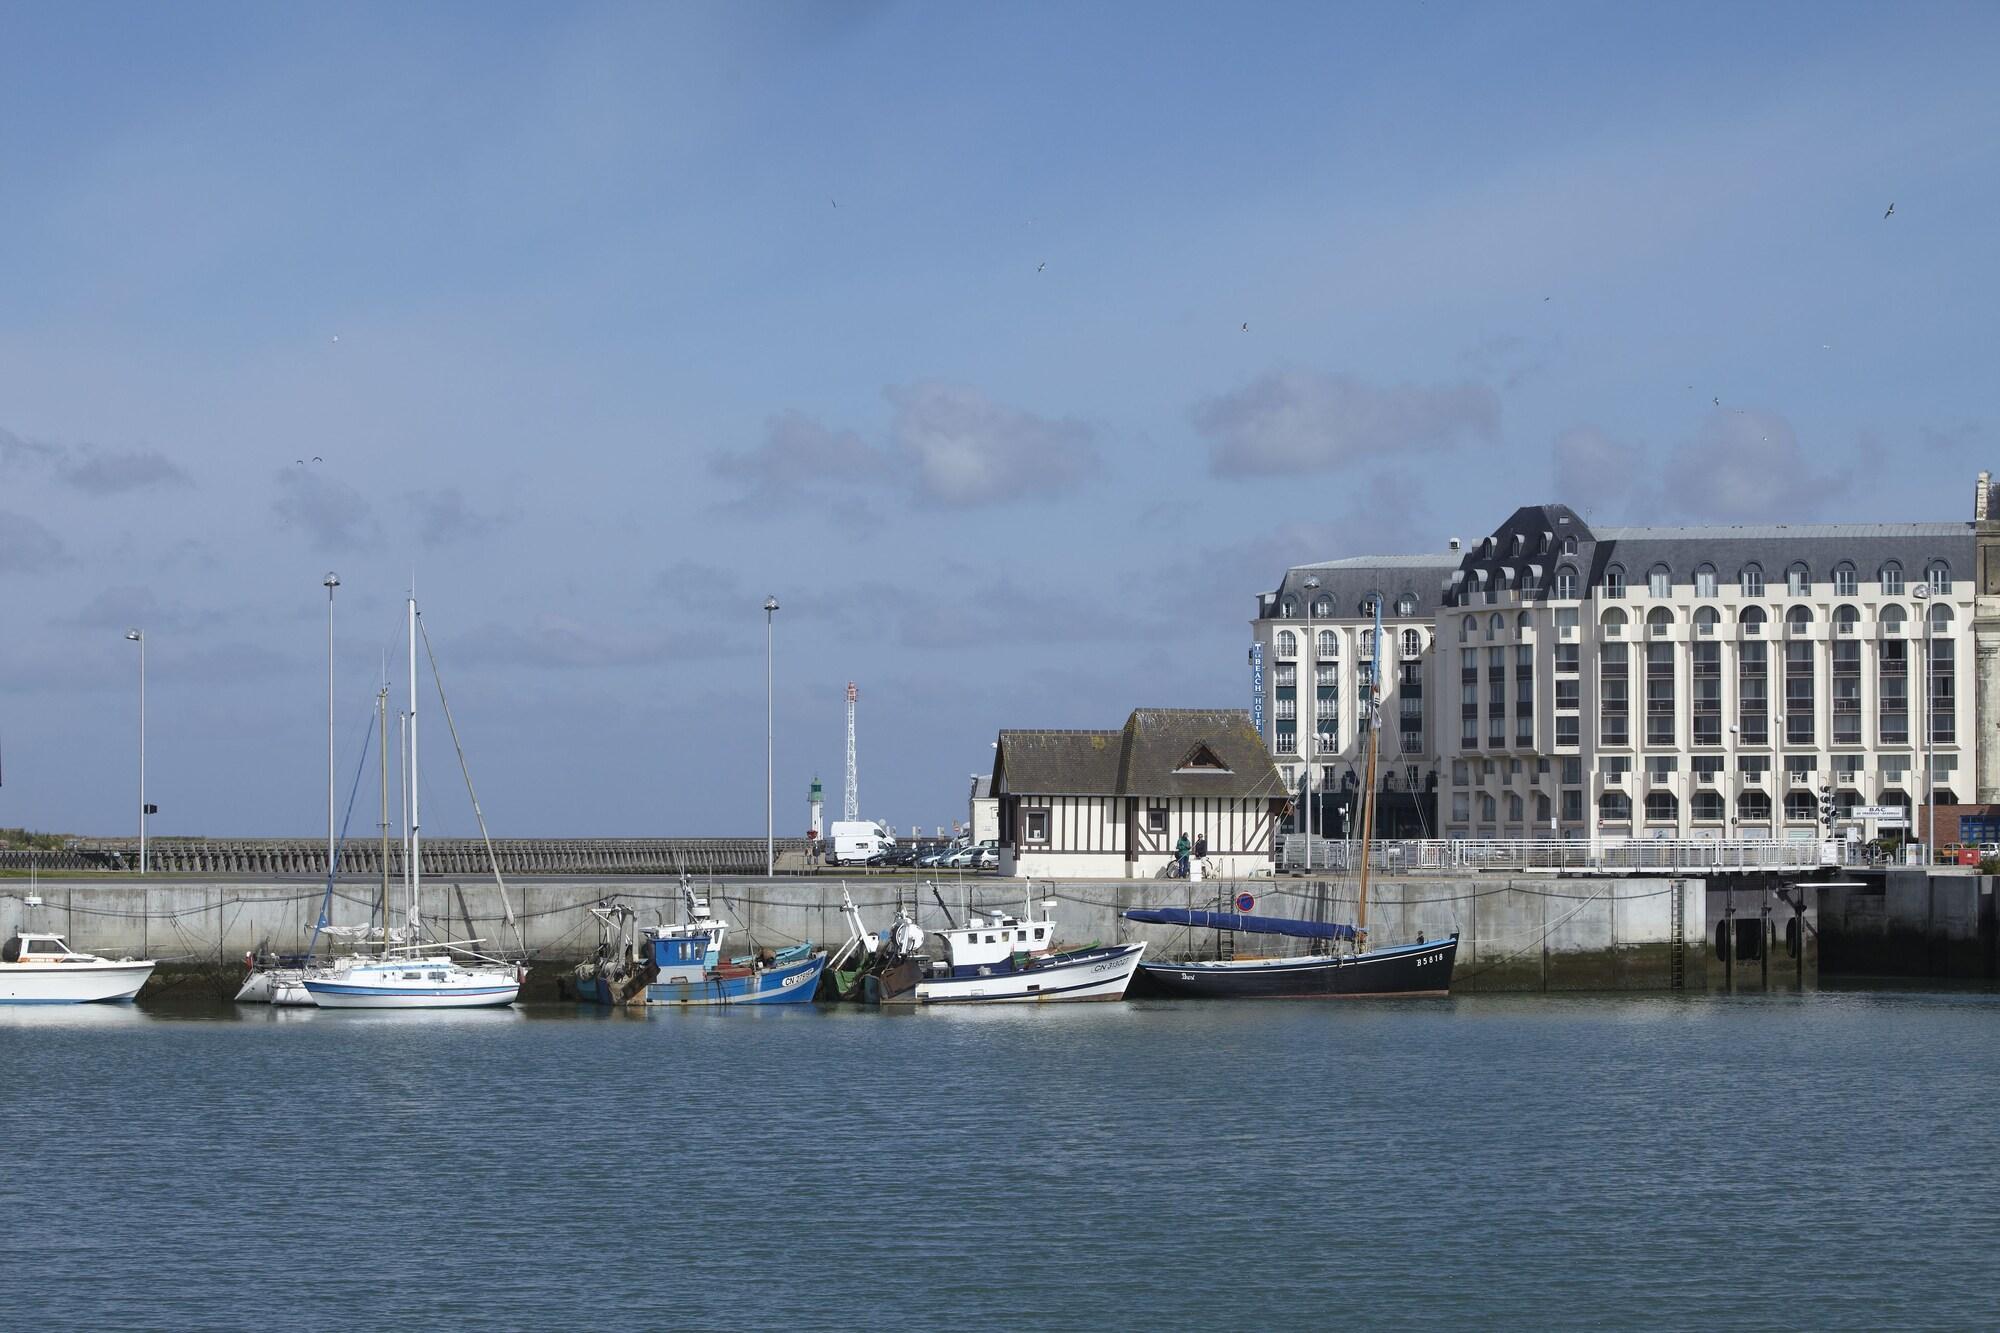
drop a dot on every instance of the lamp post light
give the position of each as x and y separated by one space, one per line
770 660
330 582
139 637
1922 593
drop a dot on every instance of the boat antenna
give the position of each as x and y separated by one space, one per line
382 720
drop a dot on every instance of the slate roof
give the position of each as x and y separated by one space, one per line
1144 758
1529 542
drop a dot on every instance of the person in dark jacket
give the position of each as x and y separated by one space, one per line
1181 850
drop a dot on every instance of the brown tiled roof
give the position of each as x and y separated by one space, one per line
1150 756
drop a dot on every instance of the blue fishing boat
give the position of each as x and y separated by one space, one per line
683 964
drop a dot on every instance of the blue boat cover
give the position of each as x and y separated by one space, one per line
1260 925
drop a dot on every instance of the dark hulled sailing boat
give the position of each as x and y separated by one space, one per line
1423 968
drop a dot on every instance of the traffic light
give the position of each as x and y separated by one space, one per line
1827 811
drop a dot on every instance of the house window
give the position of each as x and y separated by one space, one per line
1892 580
1406 605
1323 607
1704 581
1753 692
1614 624
1660 582
1843 580
1939 577
1752 620
1615 805
1614 582
1328 644
1707 806
1565 584
1289 607
1662 808
1798 580
1288 644
1751 581
1465 630
1156 818
1035 827
1754 806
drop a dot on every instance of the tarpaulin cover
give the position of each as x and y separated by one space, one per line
1257 925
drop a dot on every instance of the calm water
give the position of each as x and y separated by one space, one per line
1778 1161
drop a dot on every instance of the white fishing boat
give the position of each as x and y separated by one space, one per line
447 975
994 958
42 969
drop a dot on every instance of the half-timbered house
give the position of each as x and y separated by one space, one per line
1113 804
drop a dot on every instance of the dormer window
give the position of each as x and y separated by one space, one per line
1201 759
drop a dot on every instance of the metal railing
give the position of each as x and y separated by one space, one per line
1447 855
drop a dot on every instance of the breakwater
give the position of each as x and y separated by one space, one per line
1517 933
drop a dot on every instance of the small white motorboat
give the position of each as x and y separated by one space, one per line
41 969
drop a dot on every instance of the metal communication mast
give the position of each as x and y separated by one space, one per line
851 804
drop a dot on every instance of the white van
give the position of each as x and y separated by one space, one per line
857 842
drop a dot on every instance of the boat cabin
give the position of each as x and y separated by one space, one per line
26 948
996 941
686 954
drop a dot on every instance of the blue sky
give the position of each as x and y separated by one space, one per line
608 321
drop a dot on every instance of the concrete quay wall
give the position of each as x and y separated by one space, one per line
1912 923
1517 932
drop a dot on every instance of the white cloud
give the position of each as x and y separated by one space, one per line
331 513
1748 466
1291 421
967 449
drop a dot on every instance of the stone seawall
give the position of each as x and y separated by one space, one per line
1517 933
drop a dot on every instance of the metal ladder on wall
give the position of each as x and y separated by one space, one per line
1225 940
1677 937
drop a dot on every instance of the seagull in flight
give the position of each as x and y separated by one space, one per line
1717 402
318 459
1892 208
1039 267
1246 328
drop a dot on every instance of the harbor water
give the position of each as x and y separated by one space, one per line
1827 1159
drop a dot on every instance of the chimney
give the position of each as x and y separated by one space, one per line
1979 499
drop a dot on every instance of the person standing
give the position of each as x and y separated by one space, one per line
1181 850
1201 846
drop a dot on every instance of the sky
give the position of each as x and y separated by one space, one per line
1013 349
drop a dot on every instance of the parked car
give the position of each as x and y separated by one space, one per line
987 857
975 857
941 854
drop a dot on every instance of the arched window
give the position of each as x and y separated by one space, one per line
1289 607
1706 807
1566 584
1704 580
1522 624
1368 644
1892 579
1288 644
1892 619
1569 546
1466 628
1754 806
1370 602
1406 605
1658 621
1615 805
1329 643
1705 621
1798 620
1752 619
1941 620
1845 619
1413 643
1323 607
1660 581
1495 625
1844 583
1938 576
1750 581
1662 808
1614 581
1798 580
1614 624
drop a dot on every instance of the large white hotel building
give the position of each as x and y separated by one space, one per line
1556 679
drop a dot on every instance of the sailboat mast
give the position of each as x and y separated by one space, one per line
1368 785
382 721
416 823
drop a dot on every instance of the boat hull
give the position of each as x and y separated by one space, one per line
426 984
275 985
100 982
1089 974
1403 970
793 983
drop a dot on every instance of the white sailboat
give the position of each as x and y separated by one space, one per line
417 976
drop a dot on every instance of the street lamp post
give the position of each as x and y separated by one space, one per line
770 659
330 582
139 637
1922 593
